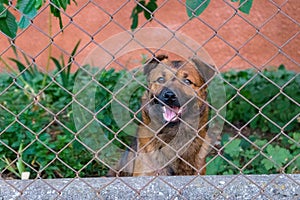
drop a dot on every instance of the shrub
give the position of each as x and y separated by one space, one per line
275 93
37 121
256 156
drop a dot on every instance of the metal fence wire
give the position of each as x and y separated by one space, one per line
77 118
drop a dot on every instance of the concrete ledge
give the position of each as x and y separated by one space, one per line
184 187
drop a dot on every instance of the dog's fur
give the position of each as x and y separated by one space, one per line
175 115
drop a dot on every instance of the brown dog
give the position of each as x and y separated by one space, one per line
175 115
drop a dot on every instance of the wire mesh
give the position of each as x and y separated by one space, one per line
88 121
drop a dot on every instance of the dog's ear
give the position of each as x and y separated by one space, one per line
152 63
206 70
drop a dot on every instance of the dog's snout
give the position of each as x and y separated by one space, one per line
168 96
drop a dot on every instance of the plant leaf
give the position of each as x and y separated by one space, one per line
281 67
25 57
139 6
267 163
4 1
279 155
10 167
8 24
28 10
62 73
57 64
20 164
26 74
75 2
195 7
38 4
135 21
54 8
233 148
215 166
245 6
151 7
20 65
147 14
64 3
3 12
70 58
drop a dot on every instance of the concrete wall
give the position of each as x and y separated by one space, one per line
269 36
261 187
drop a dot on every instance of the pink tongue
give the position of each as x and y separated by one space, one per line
169 114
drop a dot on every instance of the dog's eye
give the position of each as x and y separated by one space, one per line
187 81
161 80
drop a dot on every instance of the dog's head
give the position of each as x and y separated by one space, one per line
175 89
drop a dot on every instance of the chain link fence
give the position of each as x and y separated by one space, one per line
74 119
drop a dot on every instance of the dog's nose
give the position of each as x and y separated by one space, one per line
168 95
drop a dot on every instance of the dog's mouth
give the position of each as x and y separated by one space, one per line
170 106
172 113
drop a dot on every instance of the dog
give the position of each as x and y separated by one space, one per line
174 121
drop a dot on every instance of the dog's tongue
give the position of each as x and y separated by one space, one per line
170 114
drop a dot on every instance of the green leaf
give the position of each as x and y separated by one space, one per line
278 154
70 59
267 164
234 0
147 14
59 68
4 2
245 6
20 164
296 137
196 7
28 10
54 8
233 148
57 64
225 139
74 2
3 12
135 21
216 166
64 3
8 24
38 4
20 65
26 72
139 7
151 7
228 172
260 143
9 166
281 67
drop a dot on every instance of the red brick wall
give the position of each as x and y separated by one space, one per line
268 29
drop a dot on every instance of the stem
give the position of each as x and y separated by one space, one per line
49 50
